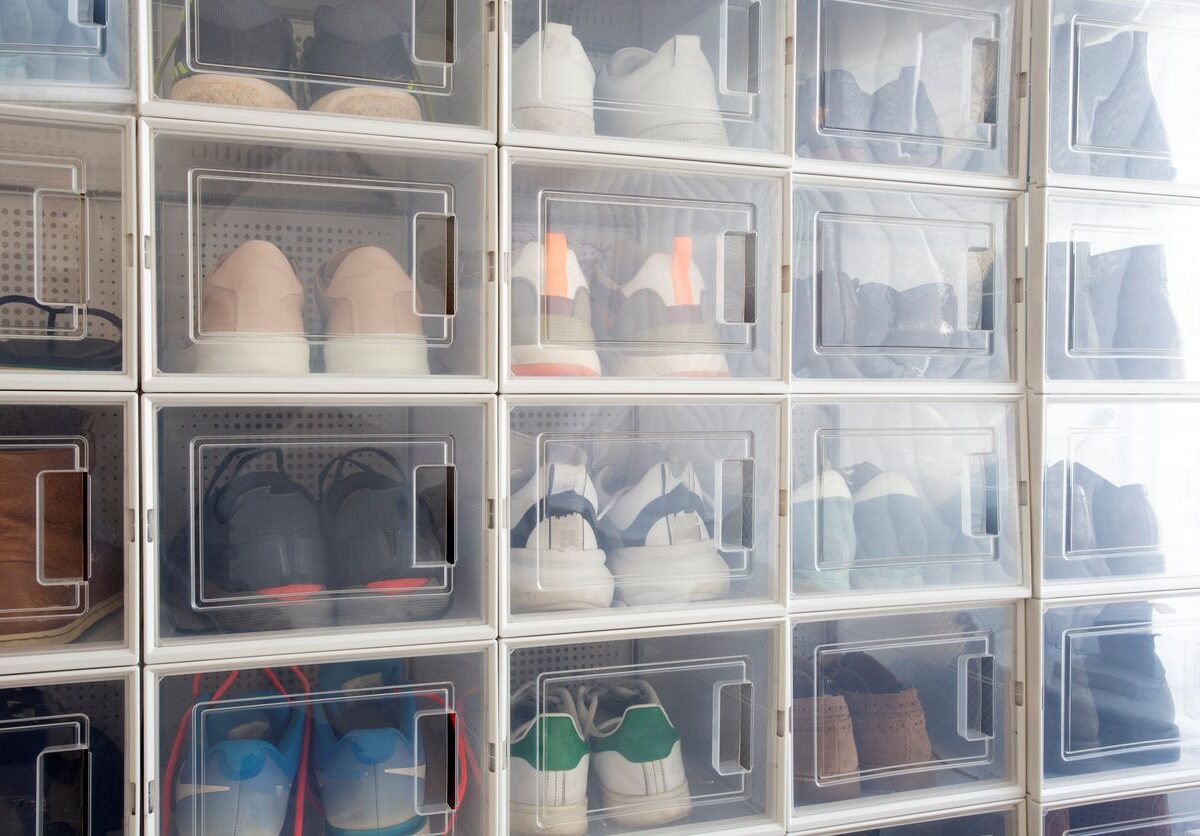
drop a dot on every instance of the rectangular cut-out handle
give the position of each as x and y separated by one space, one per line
62 505
60 226
736 285
435 489
733 724
90 13
976 697
437 748
743 25
981 495
64 812
434 266
985 80
433 31
735 505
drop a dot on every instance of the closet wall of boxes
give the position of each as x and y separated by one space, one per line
645 416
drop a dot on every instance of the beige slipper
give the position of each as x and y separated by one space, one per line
231 90
376 102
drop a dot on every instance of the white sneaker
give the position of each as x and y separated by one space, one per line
666 95
554 559
552 82
548 765
661 550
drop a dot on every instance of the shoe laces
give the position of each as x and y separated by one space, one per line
588 700
555 699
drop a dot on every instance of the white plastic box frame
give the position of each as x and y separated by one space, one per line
737 115
1113 306
726 451
442 695
980 820
68 201
208 190
79 610
1119 115
1163 813
896 287
438 451
1115 494
86 729
720 689
898 501
912 91
450 45
950 724
70 51
641 224
1127 720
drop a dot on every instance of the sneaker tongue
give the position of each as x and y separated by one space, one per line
249 730
238 15
362 21
626 60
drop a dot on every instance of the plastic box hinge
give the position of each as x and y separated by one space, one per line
491 15
151 525
491 266
147 250
1023 493
151 789
131 534
133 799
783 722
1018 288
786 278
491 754
491 514
1023 85
1019 694
789 50
783 502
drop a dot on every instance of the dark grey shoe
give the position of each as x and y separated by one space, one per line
1145 320
902 108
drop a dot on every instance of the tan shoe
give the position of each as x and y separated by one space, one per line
252 315
370 316
241 91
824 754
372 102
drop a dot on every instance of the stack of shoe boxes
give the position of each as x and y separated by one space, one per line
909 516
69 717
1114 205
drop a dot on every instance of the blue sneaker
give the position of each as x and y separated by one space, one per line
246 771
368 772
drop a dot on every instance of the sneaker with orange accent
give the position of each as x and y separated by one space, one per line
252 315
371 316
551 313
661 324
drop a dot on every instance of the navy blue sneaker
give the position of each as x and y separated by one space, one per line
1146 321
901 108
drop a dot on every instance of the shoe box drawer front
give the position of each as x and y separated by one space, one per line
66 258
904 708
1120 301
331 520
425 61
684 72
80 50
899 497
641 510
994 821
1119 683
68 468
293 262
630 732
910 84
1119 494
912 285
1111 112
656 275
393 744
1174 813
69 753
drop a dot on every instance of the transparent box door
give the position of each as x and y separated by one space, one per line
295 259
634 733
904 497
1156 814
77 49
909 84
995 823
626 272
649 507
907 703
892 284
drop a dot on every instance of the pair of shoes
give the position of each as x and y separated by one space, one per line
355 759
274 556
842 113
1143 815
660 320
860 724
651 544
52 349
667 95
615 732
366 296
354 40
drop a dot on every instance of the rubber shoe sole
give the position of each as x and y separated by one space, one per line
650 575
530 820
543 581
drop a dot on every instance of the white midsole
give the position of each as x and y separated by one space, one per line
672 365
534 355
559 120
263 355
562 820
648 575
363 356
547 579
649 810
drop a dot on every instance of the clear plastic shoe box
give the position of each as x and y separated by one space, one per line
1114 303
648 511
625 275
67 260
905 501
694 78
901 711
72 51
895 286
1165 813
419 68
70 753
988 820
69 550
628 731
294 261
912 90
329 520
1118 695
395 743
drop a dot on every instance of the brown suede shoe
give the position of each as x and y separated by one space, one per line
824 754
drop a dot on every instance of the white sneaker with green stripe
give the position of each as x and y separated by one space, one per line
548 765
